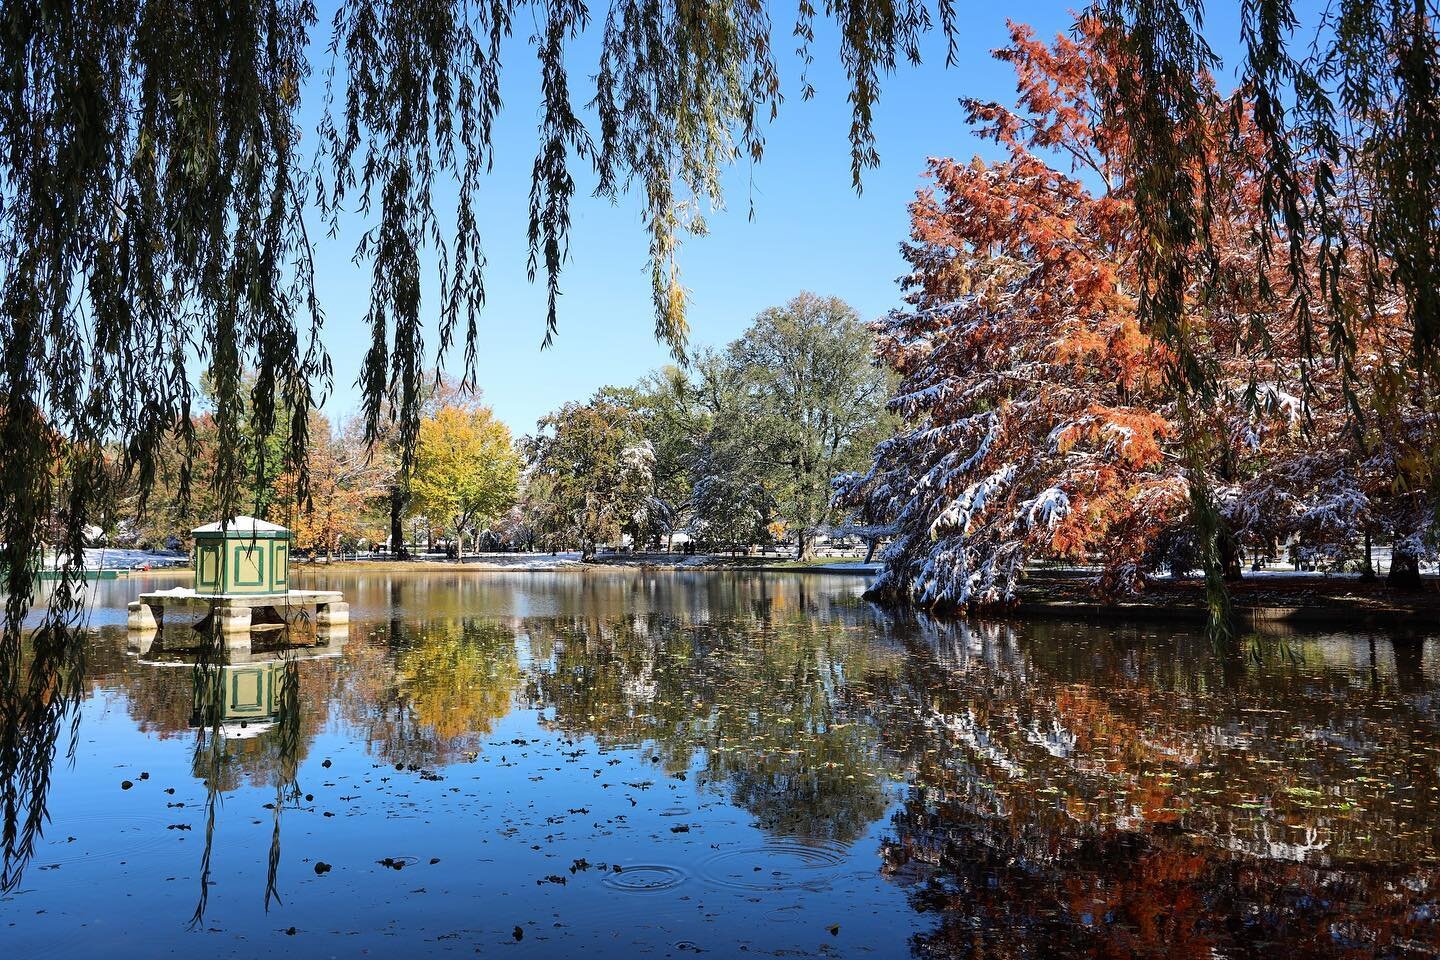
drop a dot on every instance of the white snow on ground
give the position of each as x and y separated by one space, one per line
112 558
520 561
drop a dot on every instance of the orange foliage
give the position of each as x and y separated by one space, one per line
1043 420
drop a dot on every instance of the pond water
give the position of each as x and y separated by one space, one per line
627 763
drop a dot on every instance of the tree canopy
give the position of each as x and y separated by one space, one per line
739 450
591 468
1045 417
466 471
157 208
804 403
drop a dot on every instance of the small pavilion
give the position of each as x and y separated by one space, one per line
242 580
244 556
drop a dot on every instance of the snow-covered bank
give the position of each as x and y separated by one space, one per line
541 562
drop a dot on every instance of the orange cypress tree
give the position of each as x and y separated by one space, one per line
1043 420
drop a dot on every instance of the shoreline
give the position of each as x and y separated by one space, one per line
1259 601
1255 618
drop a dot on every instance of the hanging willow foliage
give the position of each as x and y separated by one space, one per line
158 216
1351 162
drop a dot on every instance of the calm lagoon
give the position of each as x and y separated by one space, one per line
625 763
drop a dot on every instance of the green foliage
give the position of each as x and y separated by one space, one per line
590 473
744 446
809 405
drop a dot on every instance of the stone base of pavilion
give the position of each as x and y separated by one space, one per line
235 616
177 644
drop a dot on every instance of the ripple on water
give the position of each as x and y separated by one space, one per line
103 836
645 878
777 865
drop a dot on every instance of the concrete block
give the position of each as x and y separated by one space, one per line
140 616
333 614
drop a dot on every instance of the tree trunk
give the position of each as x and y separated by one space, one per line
805 546
397 523
870 543
1368 571
1409 663
1229 555
1404 571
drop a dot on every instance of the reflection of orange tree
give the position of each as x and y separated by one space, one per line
1110 727
434 691
773 707
1004 889
1087 802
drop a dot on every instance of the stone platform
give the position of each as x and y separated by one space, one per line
234 613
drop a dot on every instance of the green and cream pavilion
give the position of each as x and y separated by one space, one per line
242 581
244 556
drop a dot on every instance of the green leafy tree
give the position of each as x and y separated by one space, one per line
805 402
675 421
595 467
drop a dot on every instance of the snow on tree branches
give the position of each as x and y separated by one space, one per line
1042 420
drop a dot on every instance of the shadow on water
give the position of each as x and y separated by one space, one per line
769 747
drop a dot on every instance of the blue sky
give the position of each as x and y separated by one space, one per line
810 231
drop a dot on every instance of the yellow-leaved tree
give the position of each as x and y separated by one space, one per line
466 473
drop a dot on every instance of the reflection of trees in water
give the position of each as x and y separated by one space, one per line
247 713
1107 790
775 707
42 680
1002 888
431 691
598 593
1118 793
40 716
181 700
268 745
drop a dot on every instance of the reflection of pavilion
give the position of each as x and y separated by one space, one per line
247 713
169 643
243 699
238 693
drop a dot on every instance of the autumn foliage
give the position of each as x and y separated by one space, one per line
1044 421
